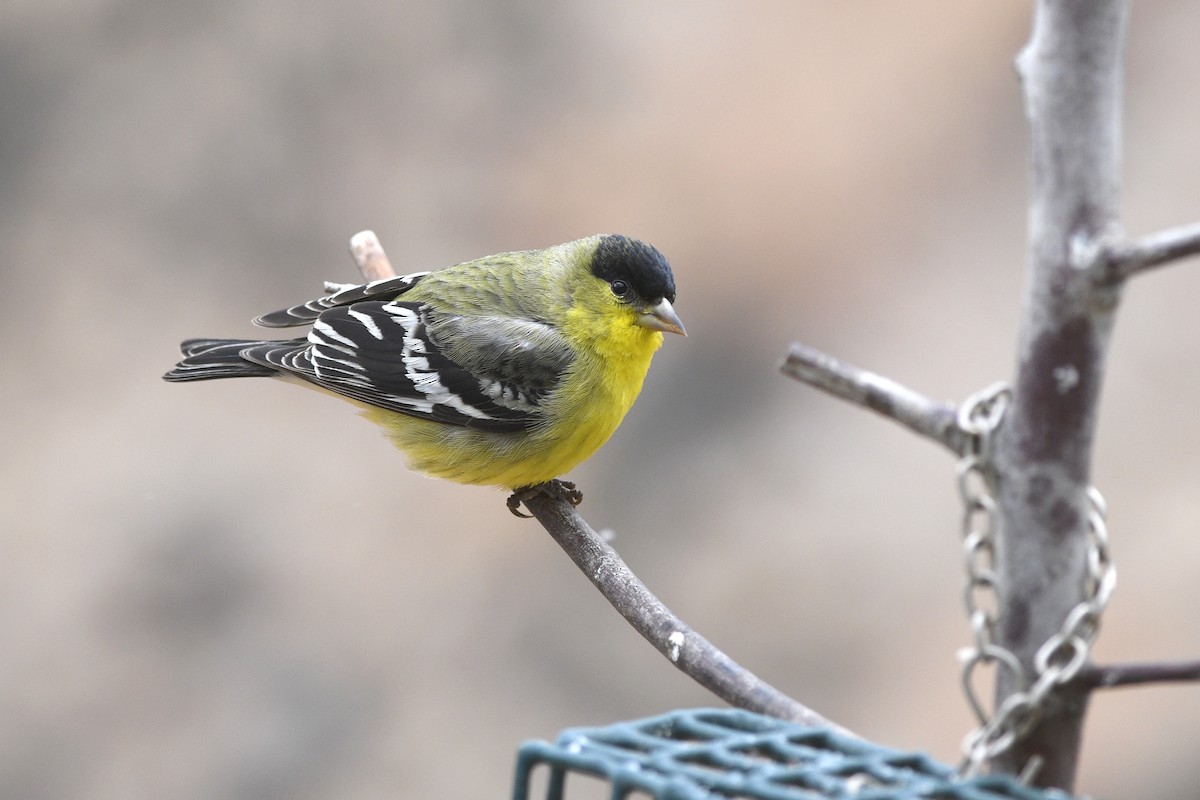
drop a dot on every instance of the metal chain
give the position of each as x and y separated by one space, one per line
1061 657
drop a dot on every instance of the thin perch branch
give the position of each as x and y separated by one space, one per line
918 413
1110 676
683 647
689 651
1119 260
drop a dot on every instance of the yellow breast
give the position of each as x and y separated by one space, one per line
582 414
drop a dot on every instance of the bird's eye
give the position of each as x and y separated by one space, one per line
620 288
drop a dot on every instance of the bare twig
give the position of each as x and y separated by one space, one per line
918 413
368 254
1119 260
1109 676
683 647
686 649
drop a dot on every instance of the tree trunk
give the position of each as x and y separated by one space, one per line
1072 78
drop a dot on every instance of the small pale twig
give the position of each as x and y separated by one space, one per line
686 649
683 647
922 415
368 254
1108 676
1119 260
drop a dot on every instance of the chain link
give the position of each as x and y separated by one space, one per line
1066 652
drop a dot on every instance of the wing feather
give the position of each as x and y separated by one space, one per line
489 373
306 313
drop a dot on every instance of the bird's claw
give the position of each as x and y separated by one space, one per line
561 490
519 496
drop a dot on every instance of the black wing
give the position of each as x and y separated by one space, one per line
305 313
489 373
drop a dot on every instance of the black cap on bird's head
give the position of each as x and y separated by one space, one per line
639 267
640 264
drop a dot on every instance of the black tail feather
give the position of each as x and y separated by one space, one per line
206 359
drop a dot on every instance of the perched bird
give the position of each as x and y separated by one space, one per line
506 371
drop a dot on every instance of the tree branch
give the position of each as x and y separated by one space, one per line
1109 676
918 413
689 651
1072 77
368 255
698 658
1117 261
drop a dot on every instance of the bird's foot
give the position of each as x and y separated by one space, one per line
520 496
558 489
563 490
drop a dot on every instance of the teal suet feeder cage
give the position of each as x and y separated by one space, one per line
711 754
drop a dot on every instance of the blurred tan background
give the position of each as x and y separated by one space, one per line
235 590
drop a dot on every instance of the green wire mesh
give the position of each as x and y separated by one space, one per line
709 754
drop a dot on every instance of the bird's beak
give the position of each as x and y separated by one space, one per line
662 317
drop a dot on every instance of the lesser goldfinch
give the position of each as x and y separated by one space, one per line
505 371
